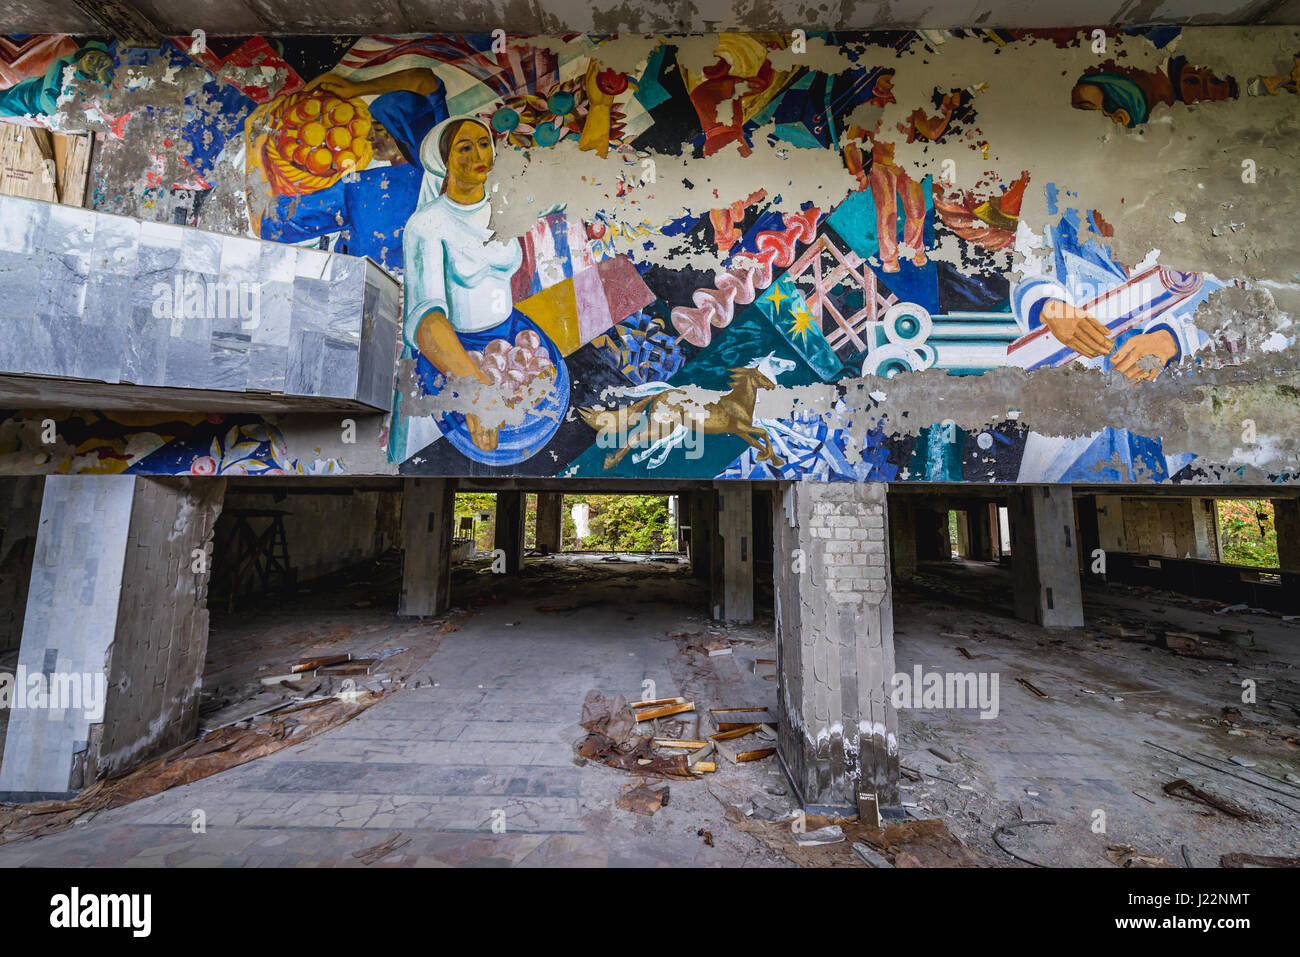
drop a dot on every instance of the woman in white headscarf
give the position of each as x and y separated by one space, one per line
458 297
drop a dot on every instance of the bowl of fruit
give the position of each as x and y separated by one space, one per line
316 137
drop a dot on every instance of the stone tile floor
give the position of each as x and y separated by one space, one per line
489 737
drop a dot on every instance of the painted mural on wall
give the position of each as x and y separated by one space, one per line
570 350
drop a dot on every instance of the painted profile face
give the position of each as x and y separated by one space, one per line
469 154
96 65
1199 83
1085 96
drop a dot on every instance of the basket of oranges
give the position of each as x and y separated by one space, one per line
316 137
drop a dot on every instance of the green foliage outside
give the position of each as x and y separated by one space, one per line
622 523
1244 542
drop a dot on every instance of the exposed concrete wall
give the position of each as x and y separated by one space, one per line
325 532
20 513
1161 526
835 643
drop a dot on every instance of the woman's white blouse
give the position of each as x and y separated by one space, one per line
451 264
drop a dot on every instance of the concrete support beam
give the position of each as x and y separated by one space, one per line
117 618
1286 519
508 530
733 554
428 509
550 524
1044 557
835 643
902 537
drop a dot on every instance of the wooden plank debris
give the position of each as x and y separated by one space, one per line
649 714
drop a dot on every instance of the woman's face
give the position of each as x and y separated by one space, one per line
470 158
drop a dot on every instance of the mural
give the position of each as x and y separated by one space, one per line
580 348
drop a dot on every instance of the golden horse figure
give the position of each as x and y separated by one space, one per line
659 419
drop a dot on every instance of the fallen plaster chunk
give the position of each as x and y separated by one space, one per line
824 835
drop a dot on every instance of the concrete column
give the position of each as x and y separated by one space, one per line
428 509
1110 523
979 532
20 512
703 522
116 619
835 643
1044 556
902 537
550 525
964 548
508 531
732 570
1205 529
1286 519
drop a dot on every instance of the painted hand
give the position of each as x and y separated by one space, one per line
484 438
340 87
1143 356
1076 329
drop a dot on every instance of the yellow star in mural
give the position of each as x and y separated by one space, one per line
804 321
776 297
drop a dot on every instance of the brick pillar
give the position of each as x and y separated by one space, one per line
118 605
733 554
835 643
508 530
428 509
550 512
1044 557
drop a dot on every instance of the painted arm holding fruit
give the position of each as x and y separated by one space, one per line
601 86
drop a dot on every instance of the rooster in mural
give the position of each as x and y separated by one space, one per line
660 408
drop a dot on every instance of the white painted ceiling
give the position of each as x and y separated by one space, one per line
636 16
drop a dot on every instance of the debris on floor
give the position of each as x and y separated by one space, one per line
371 854
643 799
1126 855
1189 792
1256 860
